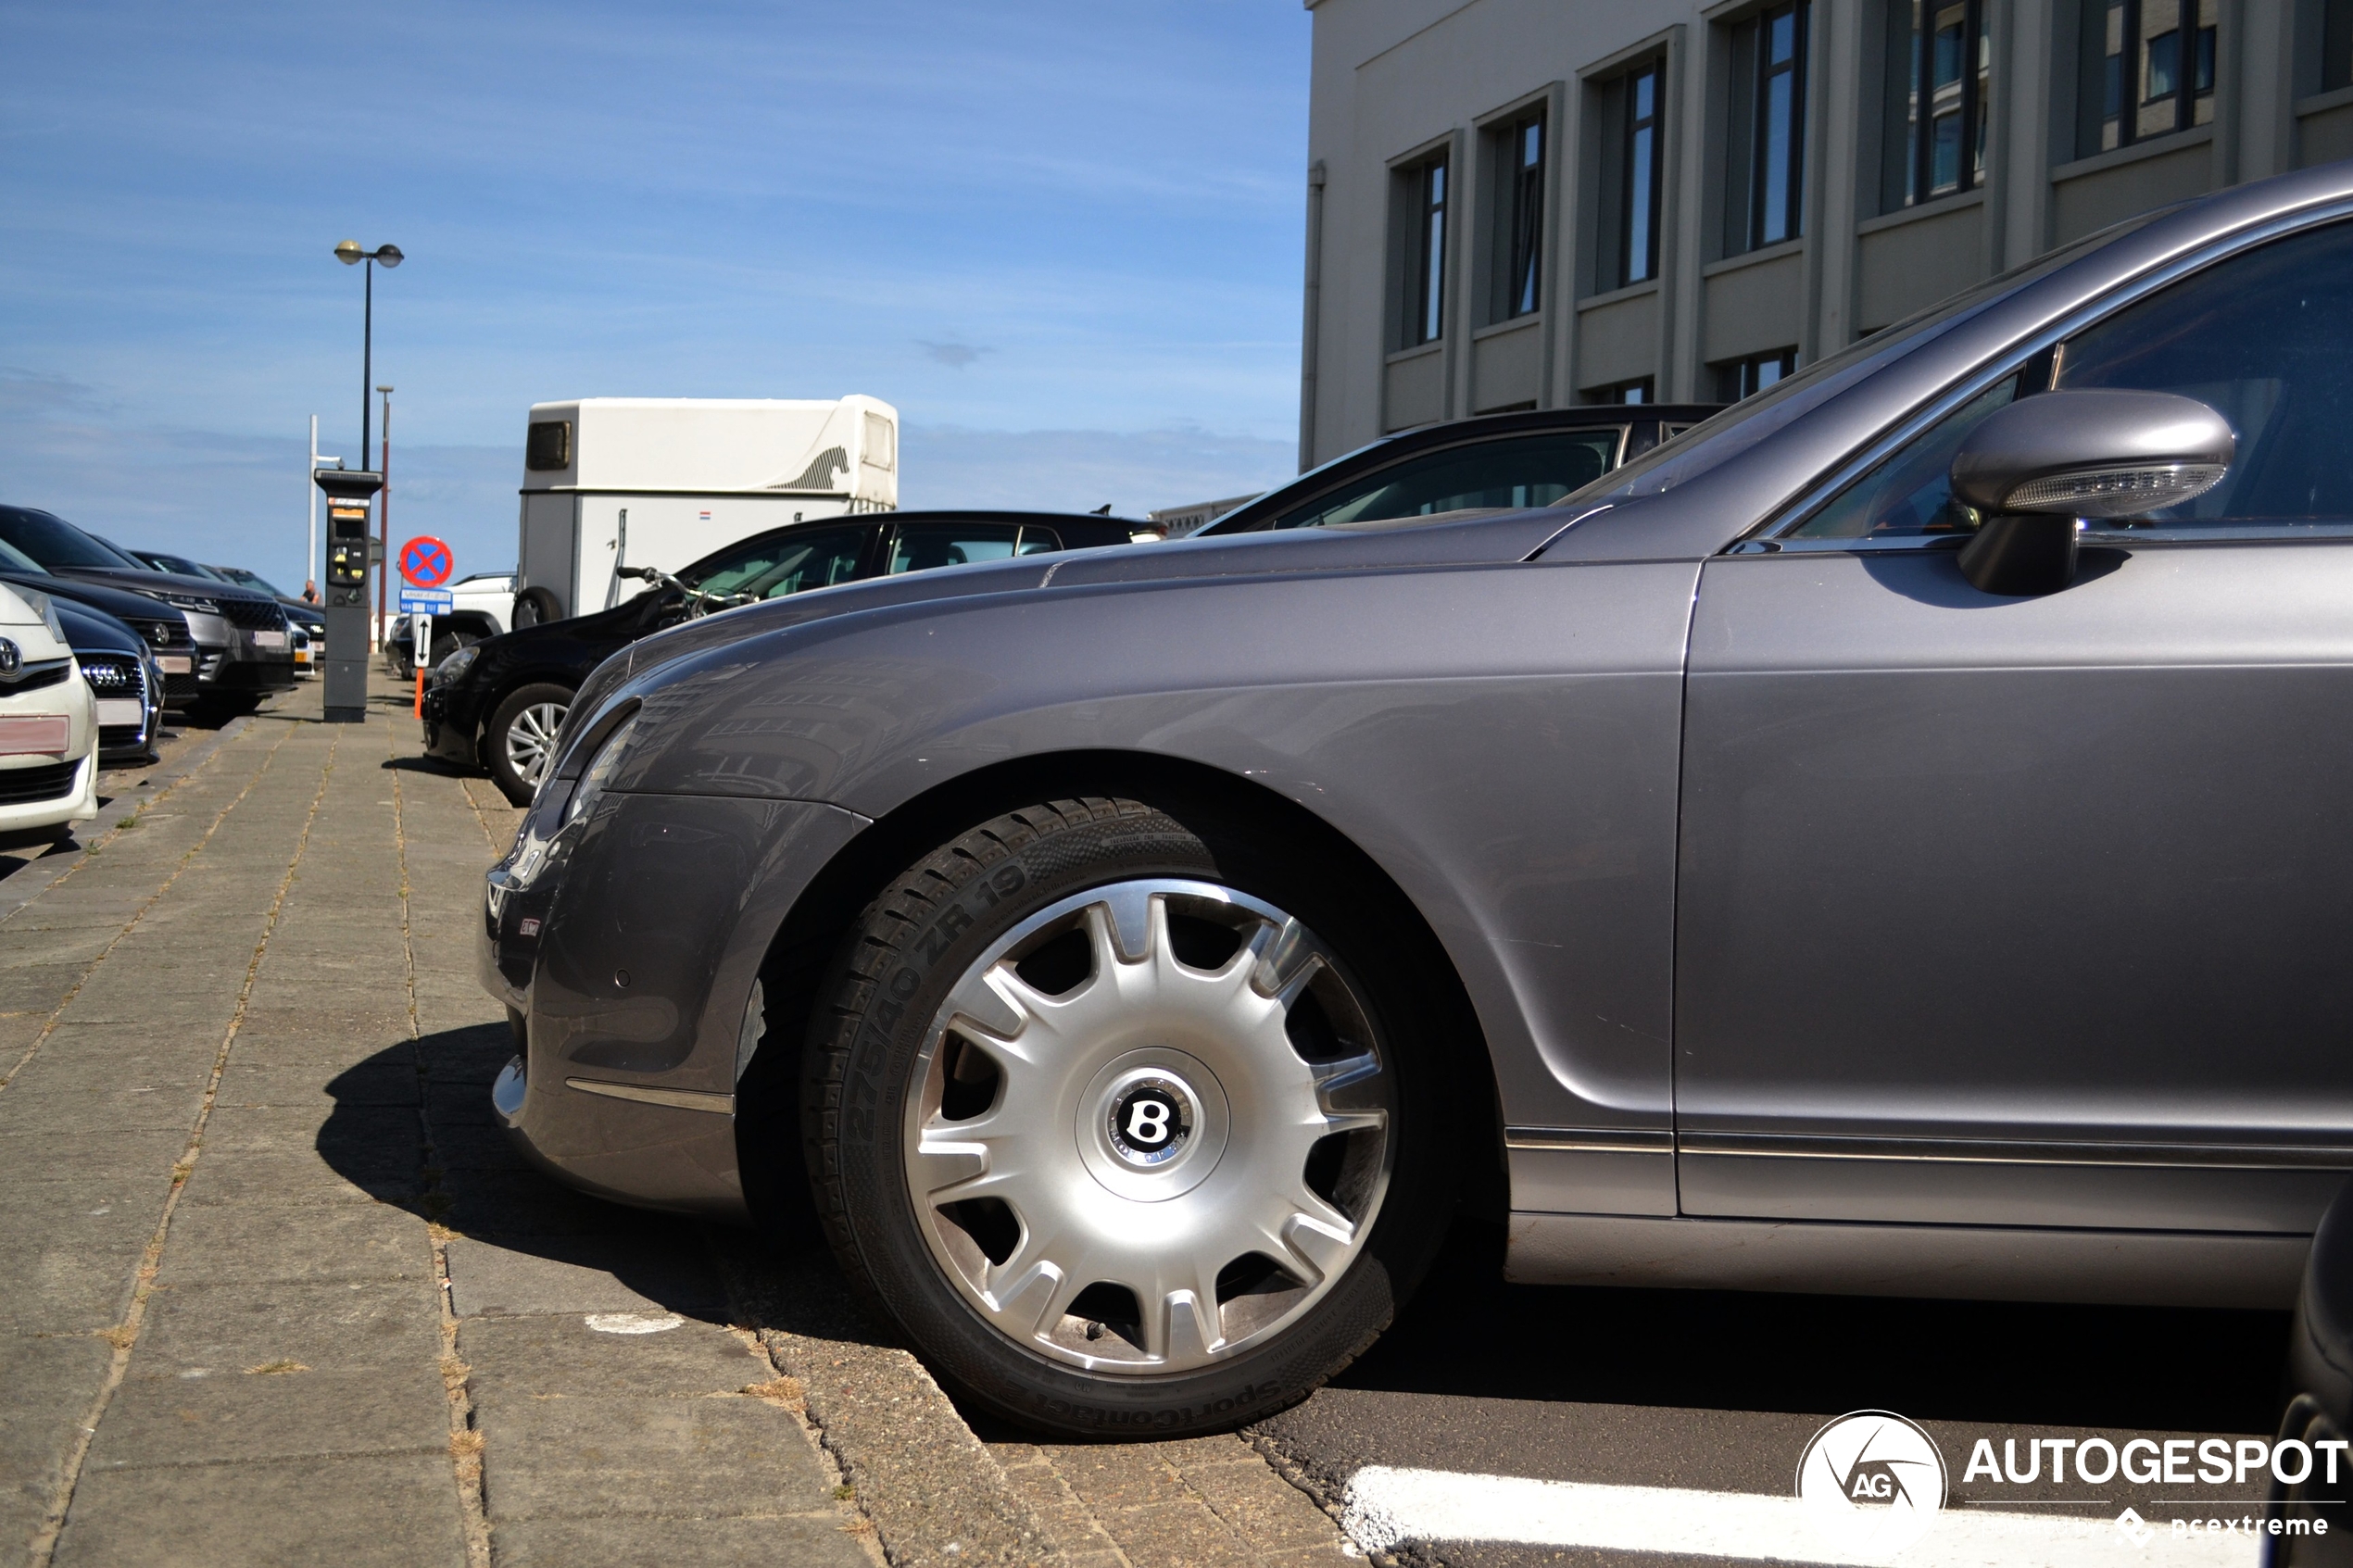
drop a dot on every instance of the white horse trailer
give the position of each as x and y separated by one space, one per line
662 482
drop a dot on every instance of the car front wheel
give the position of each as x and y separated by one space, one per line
1132 1124
519 743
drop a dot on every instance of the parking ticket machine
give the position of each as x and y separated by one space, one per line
348 493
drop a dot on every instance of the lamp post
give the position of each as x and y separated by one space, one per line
384 519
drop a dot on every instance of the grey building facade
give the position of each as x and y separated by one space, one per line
1521 203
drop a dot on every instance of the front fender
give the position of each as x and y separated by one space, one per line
1502 740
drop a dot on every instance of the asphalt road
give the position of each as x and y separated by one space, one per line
1717 1392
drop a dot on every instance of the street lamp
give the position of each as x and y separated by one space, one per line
350 255
383 512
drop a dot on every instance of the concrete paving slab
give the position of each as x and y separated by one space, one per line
291 1180
588 1274
46 1386
379 1511
72 1249
510 1204
215 1244
388 1079
564 1357
819 1540
608 1455
280 1409
354 1325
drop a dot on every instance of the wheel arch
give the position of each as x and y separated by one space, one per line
804 944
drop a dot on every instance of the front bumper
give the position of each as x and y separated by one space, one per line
47 789
628 944
453 725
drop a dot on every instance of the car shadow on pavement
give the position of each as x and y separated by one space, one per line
1467 1331
413 1126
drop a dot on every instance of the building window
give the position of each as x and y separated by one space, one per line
1424 317
1629 153
1940 76
1516 152
1641 389
1638 243
1745 378
2155 60
2337 45
1765 153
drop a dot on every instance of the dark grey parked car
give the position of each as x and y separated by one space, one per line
1809 858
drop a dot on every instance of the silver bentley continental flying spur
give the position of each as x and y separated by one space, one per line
1896 838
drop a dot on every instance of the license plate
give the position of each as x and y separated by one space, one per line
269 639
47 733
174 663
121 710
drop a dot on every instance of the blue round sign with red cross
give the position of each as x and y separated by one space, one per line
426 561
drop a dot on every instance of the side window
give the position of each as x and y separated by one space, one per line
1036 540
922 546
2266 340
1529 470
778 564
1909 495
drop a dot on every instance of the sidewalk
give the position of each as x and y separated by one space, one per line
281 1293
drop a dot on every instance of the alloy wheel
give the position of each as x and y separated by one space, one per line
531 740
1152 1127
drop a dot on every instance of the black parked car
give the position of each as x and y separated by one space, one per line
123 675
242 649
1508 461
499 703
163 628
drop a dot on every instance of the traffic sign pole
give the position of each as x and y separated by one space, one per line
421 604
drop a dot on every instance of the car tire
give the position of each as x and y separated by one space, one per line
446 642
535 607
1245 1062
519 743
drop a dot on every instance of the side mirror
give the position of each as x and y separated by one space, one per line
2036 466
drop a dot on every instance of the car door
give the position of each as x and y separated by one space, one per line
2033 912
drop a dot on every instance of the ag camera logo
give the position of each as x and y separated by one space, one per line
1874 1480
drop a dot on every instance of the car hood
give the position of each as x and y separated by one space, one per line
113 601
1467 538
93 631
164 582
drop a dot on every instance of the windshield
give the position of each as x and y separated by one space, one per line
1728 434
14 560
58 544
239 576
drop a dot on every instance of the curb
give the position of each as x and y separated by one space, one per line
936 1495
43 872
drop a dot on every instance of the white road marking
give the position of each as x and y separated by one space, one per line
1386 1507
634 1323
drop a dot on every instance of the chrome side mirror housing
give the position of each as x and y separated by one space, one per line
2036 466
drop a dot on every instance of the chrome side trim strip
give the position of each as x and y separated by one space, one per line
2244 1157
1603 1140
676 1100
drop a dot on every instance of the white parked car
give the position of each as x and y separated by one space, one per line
49 721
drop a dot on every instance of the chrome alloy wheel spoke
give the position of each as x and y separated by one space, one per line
531 740
1146 1130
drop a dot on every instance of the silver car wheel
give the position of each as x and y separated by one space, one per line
531 740
1160 1163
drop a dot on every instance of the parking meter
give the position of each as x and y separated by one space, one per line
348 493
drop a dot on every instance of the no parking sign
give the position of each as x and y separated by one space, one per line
426 561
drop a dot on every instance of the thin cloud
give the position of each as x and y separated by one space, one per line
955 356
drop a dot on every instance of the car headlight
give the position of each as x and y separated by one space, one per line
45 608
454 668
600 772
184 601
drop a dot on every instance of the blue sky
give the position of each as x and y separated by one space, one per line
1065 239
